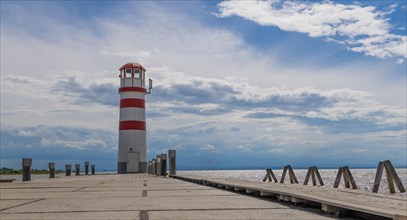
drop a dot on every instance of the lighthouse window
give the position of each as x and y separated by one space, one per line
128 73
136 72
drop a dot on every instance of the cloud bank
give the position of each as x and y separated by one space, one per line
362 29
216 97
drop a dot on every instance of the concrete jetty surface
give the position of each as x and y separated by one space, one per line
136 196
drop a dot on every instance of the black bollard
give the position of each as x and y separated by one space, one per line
67 169
158 165
51 167
86 168
153 166
92 167
163 164
77 169
172 159
27 162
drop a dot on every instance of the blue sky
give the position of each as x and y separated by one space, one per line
237 84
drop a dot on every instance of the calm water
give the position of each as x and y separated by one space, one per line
364 178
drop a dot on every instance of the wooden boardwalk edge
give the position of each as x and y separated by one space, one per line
330 199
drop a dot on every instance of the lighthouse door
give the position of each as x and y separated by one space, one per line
132 162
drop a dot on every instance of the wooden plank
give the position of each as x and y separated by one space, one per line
265 177
396 177
307 176
378 177
346 177
338 177
273 176
292 175
389 178
319 177
284 173
314 180
352 181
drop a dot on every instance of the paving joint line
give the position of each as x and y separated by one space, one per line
76 190
149 210
26 203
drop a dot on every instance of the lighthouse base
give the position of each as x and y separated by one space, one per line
122 167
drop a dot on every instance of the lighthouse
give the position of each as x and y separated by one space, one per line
132 149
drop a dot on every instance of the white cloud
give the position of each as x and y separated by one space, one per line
210 148
367 29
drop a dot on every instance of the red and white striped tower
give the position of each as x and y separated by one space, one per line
132 150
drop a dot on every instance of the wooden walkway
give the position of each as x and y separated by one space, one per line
330 200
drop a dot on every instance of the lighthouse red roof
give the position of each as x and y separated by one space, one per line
132 65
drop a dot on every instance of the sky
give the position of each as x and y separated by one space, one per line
237 84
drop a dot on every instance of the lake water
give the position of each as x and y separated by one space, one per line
364 178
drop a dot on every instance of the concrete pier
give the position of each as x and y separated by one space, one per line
136 196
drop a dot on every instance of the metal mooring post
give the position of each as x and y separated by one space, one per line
77 169
92 167
163 164
172 160
27 162
86 168
67 169
51 167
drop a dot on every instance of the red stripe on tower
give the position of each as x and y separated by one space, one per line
132 89
132 125
131 102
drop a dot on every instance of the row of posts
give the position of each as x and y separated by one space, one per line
27 163
158 166
391 175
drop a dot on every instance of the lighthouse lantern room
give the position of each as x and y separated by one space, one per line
132 149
